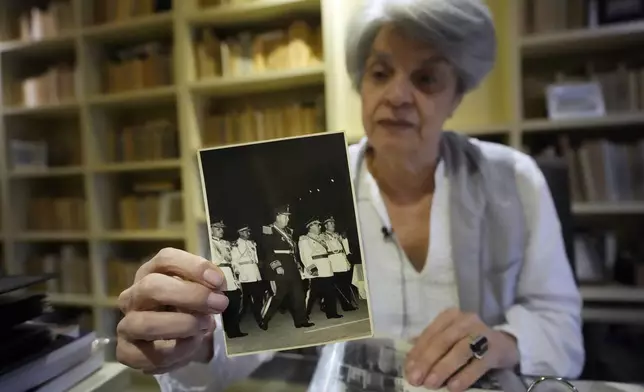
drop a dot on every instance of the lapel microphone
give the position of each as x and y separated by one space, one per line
386 233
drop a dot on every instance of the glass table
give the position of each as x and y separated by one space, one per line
360 367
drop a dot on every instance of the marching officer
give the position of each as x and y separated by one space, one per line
246 263
221 256
282 268
338 250
317 267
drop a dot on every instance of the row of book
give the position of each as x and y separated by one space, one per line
54 150
72 268
120 274
608 256
109 11
49 21
56 213
70 264
545 16
142 208
141 66
263 123
298 46
57 84
140 212
217 3
622 88
601 170
151 140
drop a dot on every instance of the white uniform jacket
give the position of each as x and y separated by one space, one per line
338 251
313 252
245 261
221 256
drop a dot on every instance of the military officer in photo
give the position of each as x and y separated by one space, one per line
246 263
338 250
317 267
222 257
282 267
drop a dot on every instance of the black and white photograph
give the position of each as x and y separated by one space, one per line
375 365
283 230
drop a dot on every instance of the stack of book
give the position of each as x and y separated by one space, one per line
46 20
141 207
138 67
54 84
42 349
143 141
117 11
252 52
56 213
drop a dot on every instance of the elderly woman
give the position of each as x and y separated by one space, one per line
473 247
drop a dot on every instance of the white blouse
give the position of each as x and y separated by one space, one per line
435 283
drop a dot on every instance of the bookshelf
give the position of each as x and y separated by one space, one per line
147 74
121 97
562 41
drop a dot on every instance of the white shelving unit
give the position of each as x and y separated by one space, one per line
91 106
185 95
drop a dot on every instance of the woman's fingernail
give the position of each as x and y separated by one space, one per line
213 277
431 381
217 302
205 323
416 378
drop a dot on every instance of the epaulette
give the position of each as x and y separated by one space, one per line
302 237
267 230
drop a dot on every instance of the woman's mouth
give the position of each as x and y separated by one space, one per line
395 125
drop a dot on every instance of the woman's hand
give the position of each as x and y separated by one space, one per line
168 312
441 354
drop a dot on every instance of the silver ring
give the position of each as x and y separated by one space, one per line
560 380
478 346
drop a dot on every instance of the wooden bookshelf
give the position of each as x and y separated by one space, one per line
141 133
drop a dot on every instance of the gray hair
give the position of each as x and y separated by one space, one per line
462 30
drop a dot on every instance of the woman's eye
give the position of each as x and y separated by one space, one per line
425 79
378 74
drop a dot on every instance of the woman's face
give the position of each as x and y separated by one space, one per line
408 91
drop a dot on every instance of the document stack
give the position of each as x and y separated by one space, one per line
42 349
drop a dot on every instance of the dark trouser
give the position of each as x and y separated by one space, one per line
346 296
287 287
254 298
230 316
266 287
322 288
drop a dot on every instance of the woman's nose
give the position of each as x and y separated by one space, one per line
398 92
